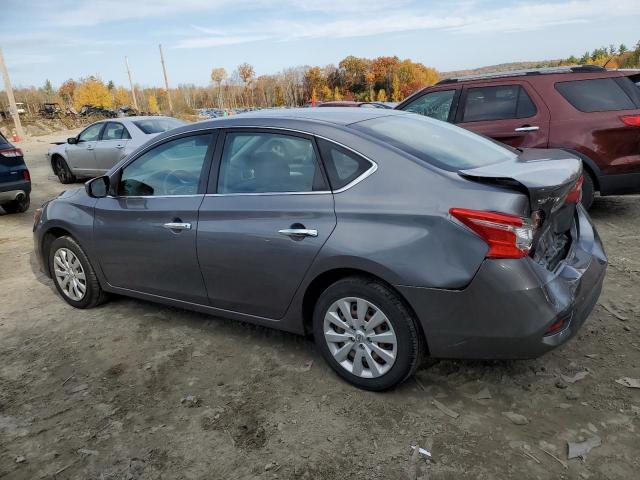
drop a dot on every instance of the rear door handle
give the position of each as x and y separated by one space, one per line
119 146
527 129
89 147
177 226
298 232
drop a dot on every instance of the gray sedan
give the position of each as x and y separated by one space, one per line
386 235
103 144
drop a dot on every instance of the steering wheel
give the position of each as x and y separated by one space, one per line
178 182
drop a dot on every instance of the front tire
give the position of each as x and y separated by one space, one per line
367 334
72 273
17 206
63 171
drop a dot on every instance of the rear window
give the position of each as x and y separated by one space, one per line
441 144
158 125
599 95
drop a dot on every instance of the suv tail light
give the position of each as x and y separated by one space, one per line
26 175
508 236
631 120
575 194
11 152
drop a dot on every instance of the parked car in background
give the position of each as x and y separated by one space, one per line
102 144
283 218
349 103
588 111
15 181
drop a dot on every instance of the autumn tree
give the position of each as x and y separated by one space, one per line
353 70
92 91
382 95
67 90
396 92
337 96
314 80
326 94
111 86
152 103
246 73
121 97
219 75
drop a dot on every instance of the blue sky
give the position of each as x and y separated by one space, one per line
60 39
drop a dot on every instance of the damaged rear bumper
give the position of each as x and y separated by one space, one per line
508 308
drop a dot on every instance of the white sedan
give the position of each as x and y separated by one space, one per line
103 144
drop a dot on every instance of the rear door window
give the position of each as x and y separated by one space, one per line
260 162
114 131
434 104
598 95
502 102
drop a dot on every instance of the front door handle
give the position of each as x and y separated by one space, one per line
527 129
298 232
119 146
177 226
89 147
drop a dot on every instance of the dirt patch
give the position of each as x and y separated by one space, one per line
98 394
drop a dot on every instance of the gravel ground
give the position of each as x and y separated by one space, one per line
135 390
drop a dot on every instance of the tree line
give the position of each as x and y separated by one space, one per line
612 57
385 78
354 78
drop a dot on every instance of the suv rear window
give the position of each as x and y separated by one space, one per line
497 103
598 95
441 144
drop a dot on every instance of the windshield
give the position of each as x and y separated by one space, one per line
439 143
158 125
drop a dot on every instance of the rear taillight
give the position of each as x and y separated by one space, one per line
26 175
11 152
508 236
575 194
631 120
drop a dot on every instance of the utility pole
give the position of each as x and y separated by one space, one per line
166 80
12 101
133 90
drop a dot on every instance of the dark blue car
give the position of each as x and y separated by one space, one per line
15 181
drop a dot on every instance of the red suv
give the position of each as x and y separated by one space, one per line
589 111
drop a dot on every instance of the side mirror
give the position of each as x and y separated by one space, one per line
72 140
97 187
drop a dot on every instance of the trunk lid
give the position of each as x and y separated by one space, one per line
546 177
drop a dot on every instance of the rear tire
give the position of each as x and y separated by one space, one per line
72 273
17 206
63 171
384 351
588 190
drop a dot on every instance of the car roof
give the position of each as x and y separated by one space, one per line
526 72
332 115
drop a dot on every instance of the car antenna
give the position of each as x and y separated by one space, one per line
607 62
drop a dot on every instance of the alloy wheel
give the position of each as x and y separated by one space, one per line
360 337
70 274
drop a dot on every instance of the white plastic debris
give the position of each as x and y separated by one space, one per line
580 449
629 382
422 451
